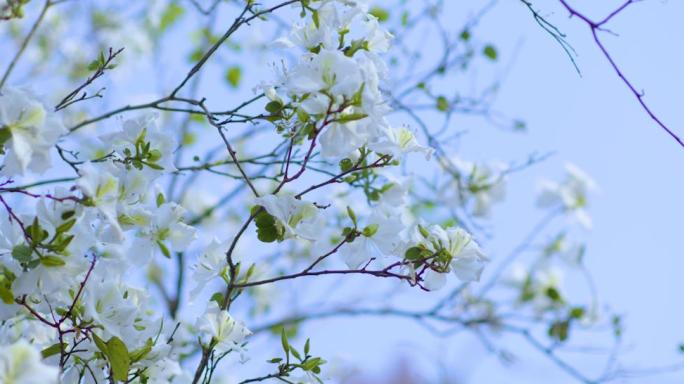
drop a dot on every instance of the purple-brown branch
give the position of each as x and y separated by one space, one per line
595 26
99 71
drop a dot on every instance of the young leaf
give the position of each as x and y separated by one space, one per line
352 215
351 117
52 261
52 350
284 342
22 253
381 13
490 52
119 359
233 75
171 14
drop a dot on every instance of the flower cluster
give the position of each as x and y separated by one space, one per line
67 263
337 81
27 132
332 97
571 194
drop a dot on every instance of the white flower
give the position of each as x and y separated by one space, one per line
164 371
20 363
384 235
544 281
339 140
358 252
391 236
211 264
395 191
339 77
433 280
298 218
51 215
27 132
535 286
467 260
50 280
217 325
398 142
99 183
481 183
115 306
10 234
142 131
571 194
378 39
165 231
33 331
331 20
329 70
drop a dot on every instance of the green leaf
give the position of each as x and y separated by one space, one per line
465 35
351 117
577 313
6 295
66 226
233 75
22 253
284 342
413 253
68 214
424 232
171 14
154 155
381 13
52 350
310 364
268 229
274 107
404 18
370 230
218 298
160 199
314 17
560 330
307 346
352 215
346 164
442 104
490 52
141 352
553 294
93 65
519 125
52 261
100 344
5 135
357 99
196 55
37 233
164 249
119 359
295 353
154 166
